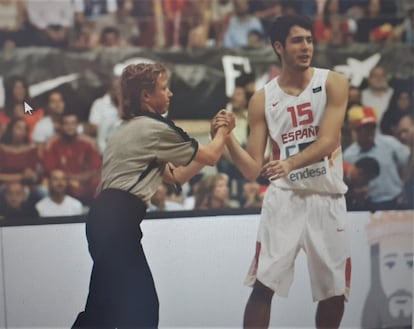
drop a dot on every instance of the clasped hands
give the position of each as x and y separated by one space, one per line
223 118
273 169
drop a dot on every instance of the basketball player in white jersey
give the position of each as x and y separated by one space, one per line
301 111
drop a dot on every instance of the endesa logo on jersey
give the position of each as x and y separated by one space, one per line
307 173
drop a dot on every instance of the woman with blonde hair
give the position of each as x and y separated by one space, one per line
212 192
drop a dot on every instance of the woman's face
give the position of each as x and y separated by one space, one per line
221 190
403 101
19 131
19 91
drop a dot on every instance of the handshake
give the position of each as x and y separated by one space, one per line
224 119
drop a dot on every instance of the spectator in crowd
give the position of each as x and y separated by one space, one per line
352 8
221 11
309 7
248 82
160 200
378 22
49 125
15 204
354 96
19 158
240 23
386 190
290 7
173 16
354 99
124 20
401 103
151 23
405 133
266 10
213 192
188 191
110 37
356 177
58 203
13 18
51 21
104 115
197 24
404 32
91 10
255 39
253 194
238 105
331 28
77 156
378 93
84 37
16 94
405 129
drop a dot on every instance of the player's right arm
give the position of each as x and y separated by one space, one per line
250 161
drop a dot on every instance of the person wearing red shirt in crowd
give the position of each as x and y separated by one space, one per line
332 28
16 94
77 156
19 159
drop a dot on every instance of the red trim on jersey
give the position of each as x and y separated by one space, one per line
275 150
348 268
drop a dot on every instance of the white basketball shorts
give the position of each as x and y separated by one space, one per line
294 220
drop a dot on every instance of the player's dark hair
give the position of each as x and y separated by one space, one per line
280 28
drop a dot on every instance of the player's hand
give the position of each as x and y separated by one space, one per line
276 169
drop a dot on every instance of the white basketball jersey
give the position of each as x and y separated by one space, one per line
293 123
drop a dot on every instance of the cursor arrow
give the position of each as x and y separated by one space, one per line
27 108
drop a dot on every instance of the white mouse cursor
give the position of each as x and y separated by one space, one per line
27 108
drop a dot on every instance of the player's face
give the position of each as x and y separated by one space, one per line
159 98
396 274
298 50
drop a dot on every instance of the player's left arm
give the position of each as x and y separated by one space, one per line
329 130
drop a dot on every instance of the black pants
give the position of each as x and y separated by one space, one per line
121 292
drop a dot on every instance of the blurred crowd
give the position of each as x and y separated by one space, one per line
50 160
88 24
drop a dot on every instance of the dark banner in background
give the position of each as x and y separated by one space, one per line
201 80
